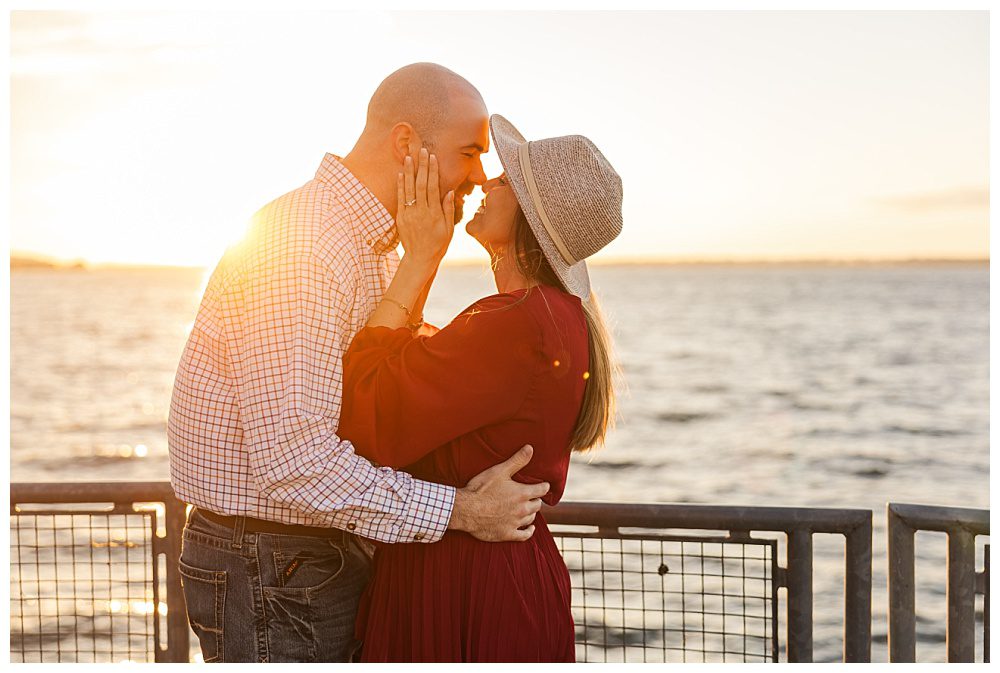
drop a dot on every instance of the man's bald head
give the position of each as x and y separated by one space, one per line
422 95
423 105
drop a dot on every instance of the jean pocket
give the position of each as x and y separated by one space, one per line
205 595
308 569
311 617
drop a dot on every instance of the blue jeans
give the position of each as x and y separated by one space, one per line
259 597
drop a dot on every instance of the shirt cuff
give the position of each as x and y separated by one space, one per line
430 510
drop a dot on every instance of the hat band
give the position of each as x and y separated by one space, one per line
536 198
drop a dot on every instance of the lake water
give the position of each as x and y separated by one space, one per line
794 385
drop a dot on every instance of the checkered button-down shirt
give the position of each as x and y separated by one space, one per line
257 397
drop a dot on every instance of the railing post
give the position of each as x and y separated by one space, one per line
178 645
986 604
858 594
961 596
800 595
902 596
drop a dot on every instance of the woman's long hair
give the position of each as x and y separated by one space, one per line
597 413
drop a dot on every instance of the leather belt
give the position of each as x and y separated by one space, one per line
252 525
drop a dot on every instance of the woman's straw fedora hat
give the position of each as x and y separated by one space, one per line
570 195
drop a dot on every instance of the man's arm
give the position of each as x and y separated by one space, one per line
286 344
285 327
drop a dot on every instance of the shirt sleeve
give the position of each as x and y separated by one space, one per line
288 328
406 396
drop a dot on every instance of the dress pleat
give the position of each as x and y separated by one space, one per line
466 600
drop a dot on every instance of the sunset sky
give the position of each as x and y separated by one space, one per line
151 138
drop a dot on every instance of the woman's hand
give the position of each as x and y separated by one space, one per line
424 222
425 227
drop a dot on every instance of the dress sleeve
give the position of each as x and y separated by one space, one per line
405 396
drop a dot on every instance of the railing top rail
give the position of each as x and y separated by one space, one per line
72 492
940 518
618 515
715 517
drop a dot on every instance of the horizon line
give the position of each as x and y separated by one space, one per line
22 261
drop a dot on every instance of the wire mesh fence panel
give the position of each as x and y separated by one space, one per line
94 568
672 598
82 586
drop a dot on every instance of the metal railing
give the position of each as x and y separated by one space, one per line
94 577
962 526
635 522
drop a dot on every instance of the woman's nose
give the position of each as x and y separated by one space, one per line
491 184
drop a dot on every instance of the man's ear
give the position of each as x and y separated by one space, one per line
405 141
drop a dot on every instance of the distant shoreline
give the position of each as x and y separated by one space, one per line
790 262
34 264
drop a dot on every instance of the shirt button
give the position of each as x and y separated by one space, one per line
351 526
418 537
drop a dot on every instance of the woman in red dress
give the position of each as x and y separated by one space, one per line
530 364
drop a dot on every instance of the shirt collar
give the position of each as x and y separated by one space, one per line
372 222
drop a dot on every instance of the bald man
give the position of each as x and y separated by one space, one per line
272 562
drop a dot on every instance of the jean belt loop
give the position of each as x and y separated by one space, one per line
241 523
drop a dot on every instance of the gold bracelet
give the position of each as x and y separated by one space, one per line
393 301
416 324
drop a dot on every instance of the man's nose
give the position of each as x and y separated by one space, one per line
478 175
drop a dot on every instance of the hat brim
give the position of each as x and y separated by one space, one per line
506 139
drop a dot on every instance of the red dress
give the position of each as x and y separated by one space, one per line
504 373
